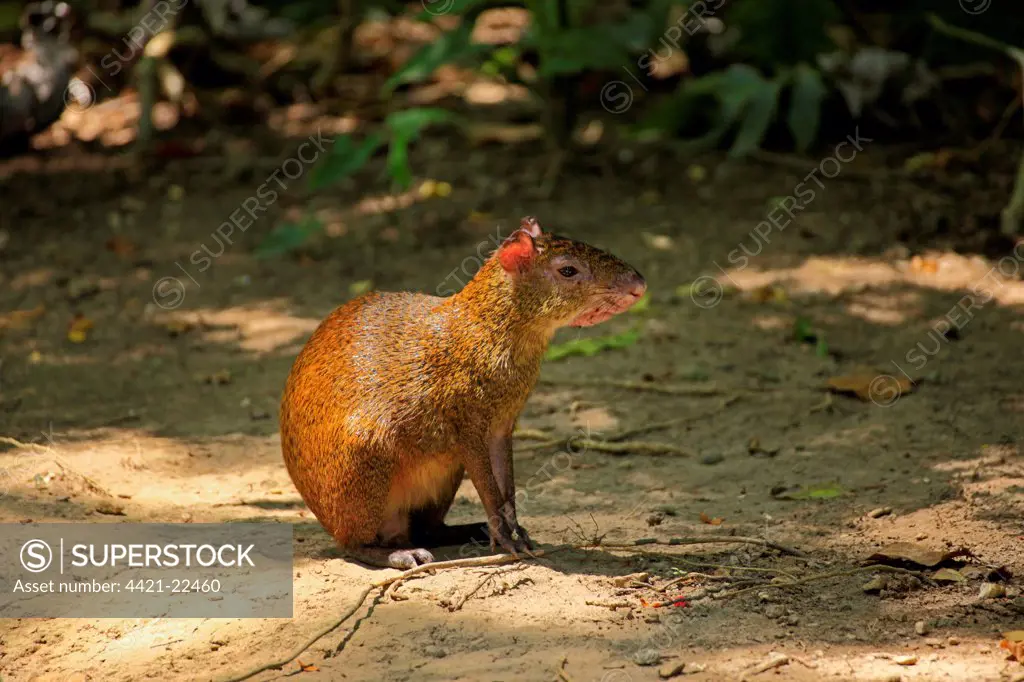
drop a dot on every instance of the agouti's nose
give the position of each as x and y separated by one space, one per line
636 286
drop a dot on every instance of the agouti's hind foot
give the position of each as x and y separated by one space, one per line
402 559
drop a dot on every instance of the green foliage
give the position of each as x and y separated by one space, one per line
402 127
748 103
288 237
592 346
777 33
452 47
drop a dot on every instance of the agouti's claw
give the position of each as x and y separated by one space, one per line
524 537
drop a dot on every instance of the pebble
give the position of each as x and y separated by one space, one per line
953 641
774 611
671 670
879 512
434 651
876 584
646 657
921 628
712 458
991 591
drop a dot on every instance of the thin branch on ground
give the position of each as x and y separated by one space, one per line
666 389
736 539
658 426
826 576
495 560
457 606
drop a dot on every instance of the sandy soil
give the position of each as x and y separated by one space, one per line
173 414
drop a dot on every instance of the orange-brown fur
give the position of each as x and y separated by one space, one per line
396 393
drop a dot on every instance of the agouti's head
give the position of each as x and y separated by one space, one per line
567 283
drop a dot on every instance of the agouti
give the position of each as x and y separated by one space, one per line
397 395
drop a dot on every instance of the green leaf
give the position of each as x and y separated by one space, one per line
287 237
824 491
453 46
344 159
592 346
604 46
781 31
398 161
821 348
758 115
641 306
803 332
405 127
807 94
411 122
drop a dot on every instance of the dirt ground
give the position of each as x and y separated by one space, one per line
171 412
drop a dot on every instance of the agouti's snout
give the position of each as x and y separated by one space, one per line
633 284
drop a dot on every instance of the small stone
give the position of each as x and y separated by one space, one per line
434 651
876 584
905 660
647 657
712 458
655 519
935 643
879 512
991 591
774 611
921 628
953 641
764 596
671 670
792 620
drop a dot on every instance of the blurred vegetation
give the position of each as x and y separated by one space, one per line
742 75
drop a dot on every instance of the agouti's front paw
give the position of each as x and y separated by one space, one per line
510 544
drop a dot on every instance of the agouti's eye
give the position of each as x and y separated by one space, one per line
567 271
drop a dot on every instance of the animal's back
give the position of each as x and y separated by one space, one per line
354 394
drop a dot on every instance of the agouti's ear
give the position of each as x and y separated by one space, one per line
516 252
530 224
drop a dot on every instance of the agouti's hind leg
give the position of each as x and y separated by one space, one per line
428 529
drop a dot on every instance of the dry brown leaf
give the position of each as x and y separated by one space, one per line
1014 644
704 518
877 388
908 552
769 293
922 265
482 133
110 509
121 246
307 667
79 328
20 319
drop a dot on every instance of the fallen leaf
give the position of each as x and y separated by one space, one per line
658 242
769 293
307 667
179 327
592 346
877 388
704 518
79 328
1015 647
221 377
110 509
20 319
924 265
819 492
482 133
948 575
908 552
121 246
359 288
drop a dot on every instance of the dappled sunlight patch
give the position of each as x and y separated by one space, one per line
258 327
835 275
772 323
